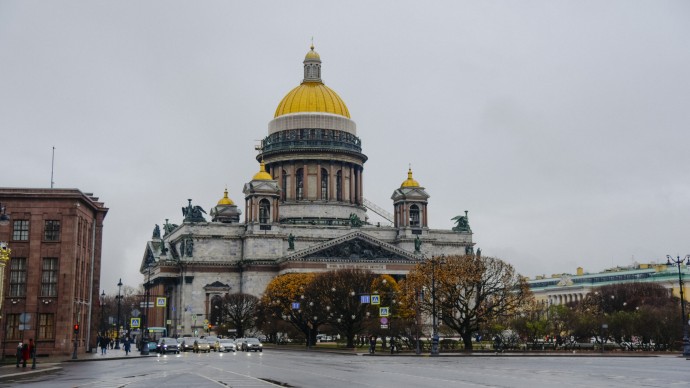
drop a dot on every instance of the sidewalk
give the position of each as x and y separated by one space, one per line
52 364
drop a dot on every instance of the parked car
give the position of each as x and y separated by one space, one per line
201 345
249 344
187 344
227 345
167 345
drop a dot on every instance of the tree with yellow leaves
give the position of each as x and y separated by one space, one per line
467 291
290 298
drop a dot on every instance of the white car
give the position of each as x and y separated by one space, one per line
227 345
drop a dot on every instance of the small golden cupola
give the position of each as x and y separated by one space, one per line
409 182
225 200
226 211
262 175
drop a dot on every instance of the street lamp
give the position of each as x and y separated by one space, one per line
144 336
102 300
119 300
434 318
683 318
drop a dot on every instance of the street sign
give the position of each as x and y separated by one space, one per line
384 320
375 299
24 318
364 299
384 311
134 322
295 305
384 326
136 313
161 301
143 304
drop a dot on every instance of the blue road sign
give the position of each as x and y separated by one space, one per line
364 299
375 299
295 305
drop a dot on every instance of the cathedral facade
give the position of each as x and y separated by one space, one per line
304 211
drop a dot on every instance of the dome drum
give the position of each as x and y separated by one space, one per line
314 138
312 120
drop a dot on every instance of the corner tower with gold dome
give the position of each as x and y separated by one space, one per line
313 151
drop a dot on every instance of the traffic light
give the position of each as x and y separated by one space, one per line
209 327
76 328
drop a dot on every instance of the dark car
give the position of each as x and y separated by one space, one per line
251 344
167 345
187 344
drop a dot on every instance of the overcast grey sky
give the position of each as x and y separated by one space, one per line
562 126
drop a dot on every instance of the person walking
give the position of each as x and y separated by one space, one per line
127 346
104 344
372 344
19 353
25 354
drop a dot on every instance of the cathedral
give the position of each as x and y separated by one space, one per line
304 211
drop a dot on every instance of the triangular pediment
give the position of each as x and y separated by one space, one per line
356 246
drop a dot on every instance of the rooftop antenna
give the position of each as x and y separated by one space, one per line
52 168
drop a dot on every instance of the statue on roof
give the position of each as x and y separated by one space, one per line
462 223
157 232
193 213
417 244
355 222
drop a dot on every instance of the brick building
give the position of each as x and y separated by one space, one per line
52 279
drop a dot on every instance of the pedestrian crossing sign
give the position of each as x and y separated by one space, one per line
384 311
375 299
134 322
161 301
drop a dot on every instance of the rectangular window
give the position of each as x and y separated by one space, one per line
12 328
52 231
49 277
18 276
20 232
46 326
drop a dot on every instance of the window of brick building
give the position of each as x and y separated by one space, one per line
52 230
12 326
46 326
49 276
18 276
20 232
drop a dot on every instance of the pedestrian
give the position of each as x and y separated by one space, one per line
372 344
127 346
32 350
25 354
103 344
19 353
393 345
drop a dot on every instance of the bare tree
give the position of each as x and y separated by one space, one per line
239 311
468 291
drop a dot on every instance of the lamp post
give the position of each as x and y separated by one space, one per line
434 323
102 301
119 300
683 318
144 336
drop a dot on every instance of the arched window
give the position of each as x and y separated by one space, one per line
339 185
414 215
324 184
264 211
283 188
299 183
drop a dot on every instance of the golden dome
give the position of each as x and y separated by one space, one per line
312 97
262 175
409 182
311 54
225 200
